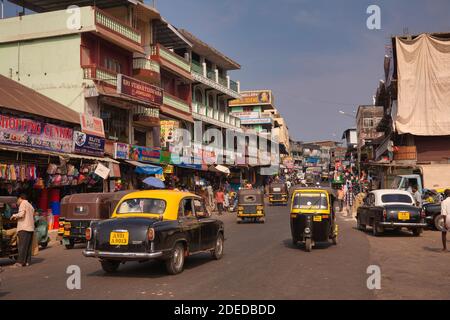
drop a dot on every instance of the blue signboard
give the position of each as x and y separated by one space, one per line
88 144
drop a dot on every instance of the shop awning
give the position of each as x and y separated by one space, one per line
219 168
145 168
55 154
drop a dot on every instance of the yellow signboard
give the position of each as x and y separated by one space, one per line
250 98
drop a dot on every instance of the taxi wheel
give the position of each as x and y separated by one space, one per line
217 253
175 264
308 245
110 266
417 232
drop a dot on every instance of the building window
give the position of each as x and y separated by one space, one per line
198 96
112 65
115 121
368 123
140 137
211 101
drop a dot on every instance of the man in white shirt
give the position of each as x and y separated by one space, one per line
445 211
25 230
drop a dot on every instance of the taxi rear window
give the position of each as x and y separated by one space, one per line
139 205
310 201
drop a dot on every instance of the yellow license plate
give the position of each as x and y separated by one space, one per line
317 218
118 238
403 216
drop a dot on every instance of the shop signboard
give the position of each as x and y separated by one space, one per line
246 115
168 131
92 125
35 134
121 151
251 98
139 90
248 121
102 171
88 144
145 154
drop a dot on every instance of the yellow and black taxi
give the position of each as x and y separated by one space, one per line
251 206
155 224
278 194
312 216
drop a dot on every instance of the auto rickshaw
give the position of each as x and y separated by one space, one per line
79 210
313 218
251 206
278 193
8 239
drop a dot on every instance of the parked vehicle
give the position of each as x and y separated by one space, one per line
313 218
79 210
155 224
432 177
8 245
251 206
278 194
390 209
432 214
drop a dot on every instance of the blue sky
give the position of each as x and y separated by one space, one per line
316 55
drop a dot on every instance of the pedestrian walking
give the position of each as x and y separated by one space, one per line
220 199
445 211
349 199
341 197
25 230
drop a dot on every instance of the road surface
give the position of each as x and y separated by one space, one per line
260 262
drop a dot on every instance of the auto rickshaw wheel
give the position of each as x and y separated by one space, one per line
359 225
308 244
376 231
44 244
110 266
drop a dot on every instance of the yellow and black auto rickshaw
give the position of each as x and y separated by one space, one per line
313 218
251 206
278 194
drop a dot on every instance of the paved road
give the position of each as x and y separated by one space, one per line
259 263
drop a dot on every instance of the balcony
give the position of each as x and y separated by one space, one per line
177 103
208 77
54 24
94 72
216 117
171 61
146 69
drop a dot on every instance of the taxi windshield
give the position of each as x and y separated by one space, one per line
310 201
145 206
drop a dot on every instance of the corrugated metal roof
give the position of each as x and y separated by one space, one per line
18 97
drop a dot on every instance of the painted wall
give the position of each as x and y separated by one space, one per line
50 66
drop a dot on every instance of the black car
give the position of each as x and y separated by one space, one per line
432 213
390 209
164 225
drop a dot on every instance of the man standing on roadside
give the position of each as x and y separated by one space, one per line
220 199
445 211
25 230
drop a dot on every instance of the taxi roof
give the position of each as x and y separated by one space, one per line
171 197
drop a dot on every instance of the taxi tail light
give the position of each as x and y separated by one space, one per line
151 234
88 234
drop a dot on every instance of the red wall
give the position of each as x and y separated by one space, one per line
433 148
99 49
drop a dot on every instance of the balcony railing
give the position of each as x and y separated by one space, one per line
171 57
175 102
94 72
211 113
146 64
211 75
117 26
197 67
234 86
223 81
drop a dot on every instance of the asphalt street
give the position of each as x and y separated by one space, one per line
260 262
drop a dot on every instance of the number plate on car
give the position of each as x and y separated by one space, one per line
118 238
317 218
403 216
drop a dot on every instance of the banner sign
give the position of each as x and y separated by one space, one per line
92 125
168 130
35 134
145 154
121 151
88 144
257 121
140 90
251 98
